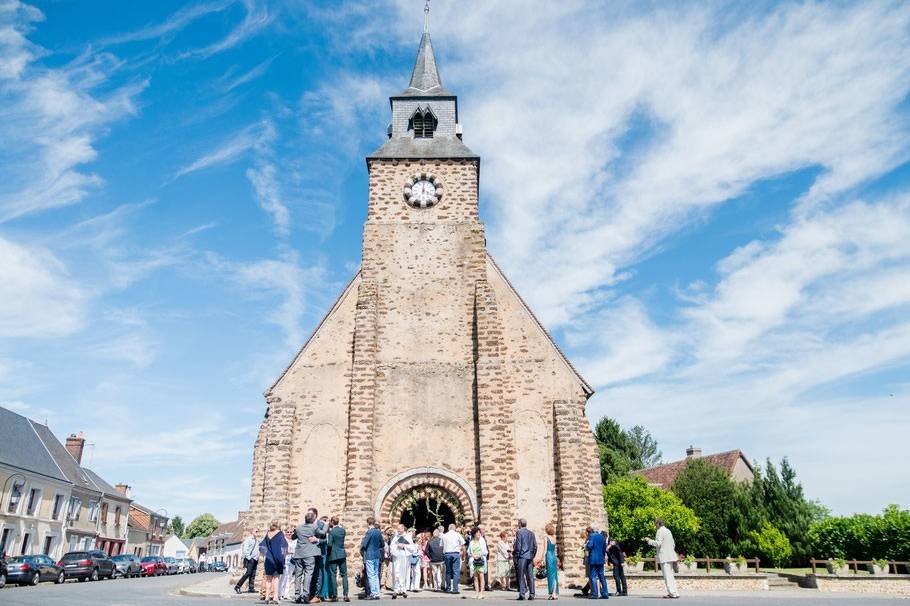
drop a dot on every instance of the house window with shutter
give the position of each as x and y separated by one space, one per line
423 123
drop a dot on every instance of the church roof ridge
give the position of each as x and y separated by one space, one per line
589 391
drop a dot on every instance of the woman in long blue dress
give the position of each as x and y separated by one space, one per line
275 548
552 564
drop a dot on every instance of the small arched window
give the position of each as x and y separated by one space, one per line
423 123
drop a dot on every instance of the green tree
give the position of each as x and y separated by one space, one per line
201 526
647 454
178 527
727 511
863 536
633 505
772 545
787 508
623 451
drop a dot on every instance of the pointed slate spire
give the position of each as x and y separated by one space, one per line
425 78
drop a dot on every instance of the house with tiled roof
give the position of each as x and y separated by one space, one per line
146 530
34 491
734 462
224 544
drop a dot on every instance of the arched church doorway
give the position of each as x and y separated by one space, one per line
425 498
426 514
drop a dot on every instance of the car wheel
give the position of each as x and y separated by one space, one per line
83 579
95 574
2 581
60 578
36 578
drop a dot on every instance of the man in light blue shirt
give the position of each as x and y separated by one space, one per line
250 552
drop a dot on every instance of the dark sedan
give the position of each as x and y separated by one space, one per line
127 565
87 565
31 570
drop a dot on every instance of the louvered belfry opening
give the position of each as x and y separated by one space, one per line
423 123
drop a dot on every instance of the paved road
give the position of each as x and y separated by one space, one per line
162 591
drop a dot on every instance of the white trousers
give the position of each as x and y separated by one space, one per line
669 579
401 573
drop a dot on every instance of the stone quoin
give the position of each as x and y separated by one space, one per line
429 393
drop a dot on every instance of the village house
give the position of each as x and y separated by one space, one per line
146 531
224 544
734 462
35 491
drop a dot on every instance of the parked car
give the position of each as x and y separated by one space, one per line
127 565
182 566
153 566
192 565
87 565
31 570
218 567
172 567
2 572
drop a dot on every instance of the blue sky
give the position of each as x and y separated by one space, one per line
707 204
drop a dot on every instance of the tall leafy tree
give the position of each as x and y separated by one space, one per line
201 526
623 451
787 508
178 527
727 510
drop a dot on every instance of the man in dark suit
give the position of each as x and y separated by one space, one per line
617 559
337 558
524 550
597 557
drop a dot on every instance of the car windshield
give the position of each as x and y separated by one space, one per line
148 559
121 558
28 559
170 560
75 555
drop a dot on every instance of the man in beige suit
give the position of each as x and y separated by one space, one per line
666 555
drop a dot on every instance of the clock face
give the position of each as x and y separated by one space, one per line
422 191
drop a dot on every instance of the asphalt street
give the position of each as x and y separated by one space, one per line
164 591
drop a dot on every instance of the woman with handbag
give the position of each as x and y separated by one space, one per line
477 556
551 564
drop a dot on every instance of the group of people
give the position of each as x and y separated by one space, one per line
311 557
308 558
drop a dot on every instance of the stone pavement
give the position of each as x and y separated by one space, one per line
213 588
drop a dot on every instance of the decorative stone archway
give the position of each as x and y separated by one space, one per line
419 483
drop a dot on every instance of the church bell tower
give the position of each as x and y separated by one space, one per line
429 394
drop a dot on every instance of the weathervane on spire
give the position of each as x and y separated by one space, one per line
426 18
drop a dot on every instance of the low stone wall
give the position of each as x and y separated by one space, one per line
652 581
898 584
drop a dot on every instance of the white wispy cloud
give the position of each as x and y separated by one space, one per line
172 24
231 80
256 18
50 118
38 297
268 190
232 149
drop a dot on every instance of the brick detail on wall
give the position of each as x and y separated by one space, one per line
578 489
361 413
495 401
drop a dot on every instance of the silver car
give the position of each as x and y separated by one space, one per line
172 567
127 565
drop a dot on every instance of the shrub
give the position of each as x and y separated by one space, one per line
863 536
633 505
773 546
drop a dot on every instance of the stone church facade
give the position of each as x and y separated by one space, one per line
429 392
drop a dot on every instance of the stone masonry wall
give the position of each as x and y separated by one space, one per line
495 416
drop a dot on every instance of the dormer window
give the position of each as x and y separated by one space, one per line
423 123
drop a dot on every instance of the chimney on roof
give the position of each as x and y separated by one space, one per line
75 444
123 489
693 453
